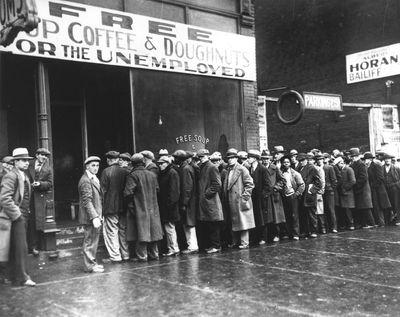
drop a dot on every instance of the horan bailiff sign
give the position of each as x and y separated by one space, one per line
16 16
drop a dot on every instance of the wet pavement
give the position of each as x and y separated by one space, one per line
350 273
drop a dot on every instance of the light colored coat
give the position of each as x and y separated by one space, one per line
237 188
90 200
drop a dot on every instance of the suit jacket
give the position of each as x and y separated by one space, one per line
90 200
11 194
330 178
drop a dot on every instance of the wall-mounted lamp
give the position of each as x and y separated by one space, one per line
160 122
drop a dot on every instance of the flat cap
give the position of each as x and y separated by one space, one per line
149 155
180 154
278 149
301 157
368 155
125 156
232 153
7 159
112 154
326 155
319 156
203 152
216 156
137 158
254 153
293 152
338 160
242 154
310 156
164 159
43 151
92 159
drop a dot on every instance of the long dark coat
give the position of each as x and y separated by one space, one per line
362 191
152 167
210 207
275 213
90 200
313 184
380 199
237 189
143 215
168 196
260 194
112 183
345 194
42 194
392 184
187 200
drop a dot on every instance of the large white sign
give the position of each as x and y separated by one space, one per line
83 33
320 101
372 64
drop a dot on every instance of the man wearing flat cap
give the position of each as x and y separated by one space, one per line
149 161
125 161
90 213
278 152
391 174
41 177
112 183
6 165
15 204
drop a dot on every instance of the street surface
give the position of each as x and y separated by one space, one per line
350 273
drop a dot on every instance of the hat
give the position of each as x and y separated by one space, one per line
21 153
163 152
387 156
338 160
189 154
318 156
125 156
293 152
216 156
150 155
43 151
278 149
137 158
265 154
310 155
255 153
354 151
7 159
180 154
92 159
242 154
368 155
301 157
164 159
231 153
326 155
315 151
203 152
112 154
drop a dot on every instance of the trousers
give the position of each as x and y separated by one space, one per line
19 250
90 244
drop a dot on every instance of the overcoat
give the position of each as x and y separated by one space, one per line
380 199
275 213
143 215
237 189
362 190
112 183
210 207
345 196
313 184
168 196
152 167
392 184
90 200
42 194
260 194
187 200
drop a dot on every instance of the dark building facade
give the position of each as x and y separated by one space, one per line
302 44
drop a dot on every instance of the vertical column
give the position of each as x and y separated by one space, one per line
44 140
132 90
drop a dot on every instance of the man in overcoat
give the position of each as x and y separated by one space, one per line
143 215
391 174
259 196
149 160
329 193
41 177
112 183
237 189
15 198
209 203
168 201
91 213
380 201
362 190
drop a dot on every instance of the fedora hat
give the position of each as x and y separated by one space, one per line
242 154
278 149
92 159
354 151
203 152
301 157
254 153
216 156
368 155
387 156
232 153
265 154
21 153
293 152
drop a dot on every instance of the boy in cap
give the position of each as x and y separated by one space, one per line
90 213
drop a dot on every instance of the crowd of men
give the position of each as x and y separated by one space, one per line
188 202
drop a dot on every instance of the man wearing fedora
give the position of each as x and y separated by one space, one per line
15 202
279 152
391 174
41 177
112 183
362 190
91 213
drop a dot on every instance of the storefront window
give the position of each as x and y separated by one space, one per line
114 4
212 21
156 9
226 5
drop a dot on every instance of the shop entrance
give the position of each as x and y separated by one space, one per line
90 115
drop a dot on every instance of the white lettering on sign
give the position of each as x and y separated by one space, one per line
372 64
77 32
191 138
319 101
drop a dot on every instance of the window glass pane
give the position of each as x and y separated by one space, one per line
156 9
115 4
212 21
226 5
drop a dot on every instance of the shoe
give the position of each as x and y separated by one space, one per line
285 237
213 250
35 252
108 261
243 246
367 227
313 235
296 238
397 224
190 251
171 253
351 228
29 283
262 242
276 239
334 230
323 231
